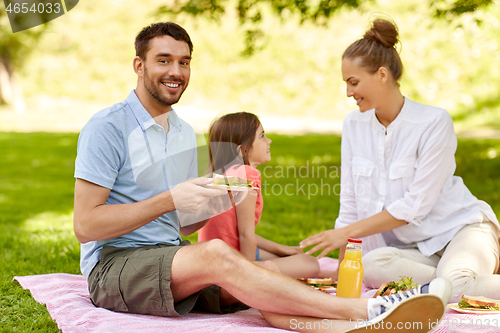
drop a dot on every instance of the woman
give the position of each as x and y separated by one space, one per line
398 189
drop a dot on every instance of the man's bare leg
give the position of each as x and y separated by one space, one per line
199 265
227 299
299 323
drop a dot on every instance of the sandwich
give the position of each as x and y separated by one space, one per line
326 285
480 303
394 287
221 180
317 283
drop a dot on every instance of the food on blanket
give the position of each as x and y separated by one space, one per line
326 285
326 282
231 181
479 303
328 290
394 287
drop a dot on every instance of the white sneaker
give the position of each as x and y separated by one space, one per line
438 287
415 307
420 313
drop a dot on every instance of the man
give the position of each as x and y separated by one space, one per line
132 169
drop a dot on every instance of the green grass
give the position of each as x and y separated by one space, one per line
36 203
36 237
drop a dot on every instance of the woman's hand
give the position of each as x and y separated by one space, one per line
327 241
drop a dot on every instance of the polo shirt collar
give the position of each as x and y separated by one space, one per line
144 118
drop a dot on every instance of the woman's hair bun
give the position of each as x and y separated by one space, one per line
383 31
377 48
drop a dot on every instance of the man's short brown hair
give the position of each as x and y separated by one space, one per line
160 29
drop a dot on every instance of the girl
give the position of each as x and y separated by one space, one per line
237 145
399 191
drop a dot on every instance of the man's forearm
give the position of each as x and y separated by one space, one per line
110 221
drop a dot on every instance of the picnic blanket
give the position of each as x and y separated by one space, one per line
67 299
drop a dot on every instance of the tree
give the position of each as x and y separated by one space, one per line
14 49
251 12
443 8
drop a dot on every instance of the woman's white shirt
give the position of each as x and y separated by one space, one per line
407 168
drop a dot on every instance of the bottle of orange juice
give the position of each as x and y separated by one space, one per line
351 270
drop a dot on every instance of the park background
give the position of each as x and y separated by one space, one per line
82 62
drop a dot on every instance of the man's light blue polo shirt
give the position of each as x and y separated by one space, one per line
122 148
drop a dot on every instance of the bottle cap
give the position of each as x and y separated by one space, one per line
355 240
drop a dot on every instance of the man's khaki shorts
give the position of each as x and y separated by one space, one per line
137 280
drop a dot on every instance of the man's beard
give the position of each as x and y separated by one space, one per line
156 94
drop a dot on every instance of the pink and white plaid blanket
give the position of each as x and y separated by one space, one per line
67 299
